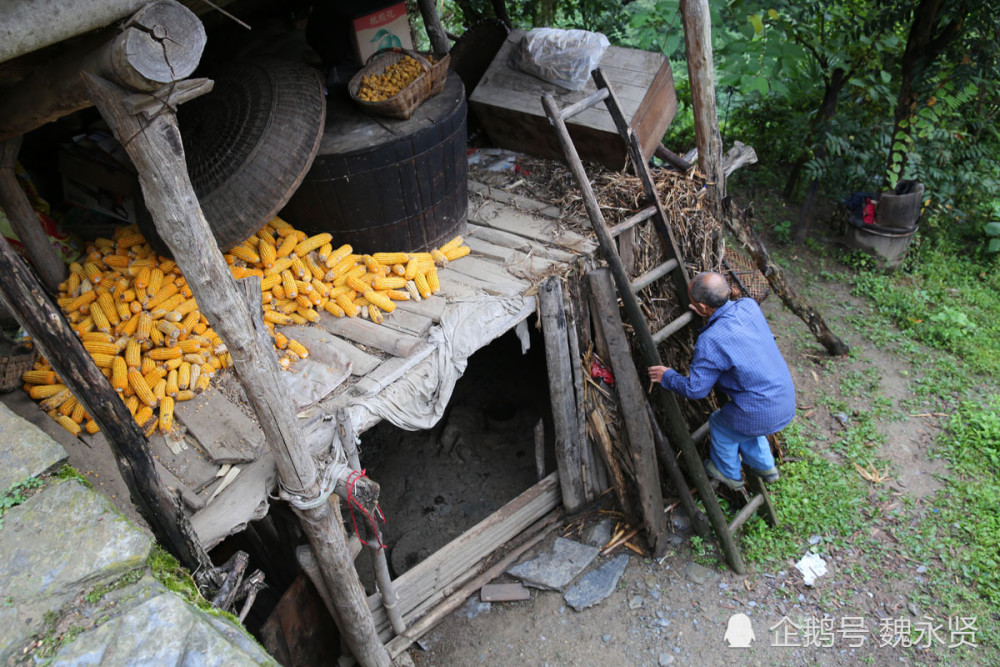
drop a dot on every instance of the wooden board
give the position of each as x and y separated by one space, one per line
390 371
432 308
243 501
498 216
407 322
487 271
507 102
368 333
317 340
504 197
220 428
521 243
522 264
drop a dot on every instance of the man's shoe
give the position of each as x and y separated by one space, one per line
770 475
715 473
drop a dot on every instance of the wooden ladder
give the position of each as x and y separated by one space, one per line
628 289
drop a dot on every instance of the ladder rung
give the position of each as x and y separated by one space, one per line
629 223
672 328
584 104
657 272
745 513
699 433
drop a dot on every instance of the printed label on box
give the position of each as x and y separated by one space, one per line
384 29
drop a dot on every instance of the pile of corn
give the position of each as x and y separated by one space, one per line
379 87
136 315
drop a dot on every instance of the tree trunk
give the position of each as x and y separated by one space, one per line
432 24
922 47
826 111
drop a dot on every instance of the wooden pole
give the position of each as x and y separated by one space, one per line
633 405
701 73
564 411
160 44
738 224
432 23
157 152
41 318
23 219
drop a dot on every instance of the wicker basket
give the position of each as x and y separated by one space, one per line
13 364
405 102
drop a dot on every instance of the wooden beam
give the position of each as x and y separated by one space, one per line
633 405
156 150
41 318
161 44
29 25
565 417
701 74
24 220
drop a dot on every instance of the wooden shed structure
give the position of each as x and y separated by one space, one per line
133 59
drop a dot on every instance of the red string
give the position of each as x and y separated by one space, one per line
352 503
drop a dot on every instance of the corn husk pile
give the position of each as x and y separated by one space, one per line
138 319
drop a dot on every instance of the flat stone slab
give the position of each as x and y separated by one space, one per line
60 542
556 568
699 574
164 630
596 585
25 450
504 593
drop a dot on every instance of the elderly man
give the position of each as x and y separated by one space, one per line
736 352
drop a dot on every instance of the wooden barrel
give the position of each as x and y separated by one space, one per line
382 184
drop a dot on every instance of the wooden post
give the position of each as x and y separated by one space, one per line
633 405
160 44
564 412
23 219
596 475
157 152
42 319
432 23
701 73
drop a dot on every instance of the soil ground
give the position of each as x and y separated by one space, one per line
675 612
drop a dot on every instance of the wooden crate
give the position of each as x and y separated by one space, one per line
508 104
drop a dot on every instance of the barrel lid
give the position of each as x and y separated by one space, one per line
249 143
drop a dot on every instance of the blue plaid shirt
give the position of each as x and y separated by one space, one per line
736 352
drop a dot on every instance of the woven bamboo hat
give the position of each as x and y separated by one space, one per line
248 144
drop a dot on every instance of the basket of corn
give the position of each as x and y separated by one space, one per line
395 82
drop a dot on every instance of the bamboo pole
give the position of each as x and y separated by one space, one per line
156 150
41 318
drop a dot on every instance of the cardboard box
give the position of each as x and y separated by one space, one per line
98 186
381 29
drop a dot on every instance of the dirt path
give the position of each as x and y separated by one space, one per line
677 611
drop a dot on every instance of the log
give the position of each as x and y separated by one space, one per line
564 408
24 29
432 23
156 150
701 74
595 475
737 222
160 44
48 265
633 401
24 296
672 158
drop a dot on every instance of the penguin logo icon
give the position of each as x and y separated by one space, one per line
739 632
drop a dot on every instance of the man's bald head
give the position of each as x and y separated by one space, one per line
710 288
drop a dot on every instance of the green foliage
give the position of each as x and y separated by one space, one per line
17 494
992 230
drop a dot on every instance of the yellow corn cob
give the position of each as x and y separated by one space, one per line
280 340
160 389
399 270
79 414
433 282
144 327
172 303
268 253
156 279
331 307
298 348
390 258
68 424
147 366
115 261
164 293
439 257
167 265
168 329
119 374
420 280
129 240
346 303
164 353
132 353
324 252
143 416
93 272
268 282
190 322
380 300
357 284
203 381
124 312
411 268
141 295
355 272
108 308
184 375
246 254
287 245
288 285
141 389
297 319
54 401
266 235
320 287
172 387
276 318
79 302
189 345
166 414
156 338
186 306
77 269
279 226
398 295
391 282
316 298
72 284
455 253
39 377
118 293
298 268
454 243
316 272
411 287
86 324
307 314
68 407
100 347
142 278
173 364
103 360
91 427
302 301
278 292
130 326
312 243
375 313
280 264
184 395
338 255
